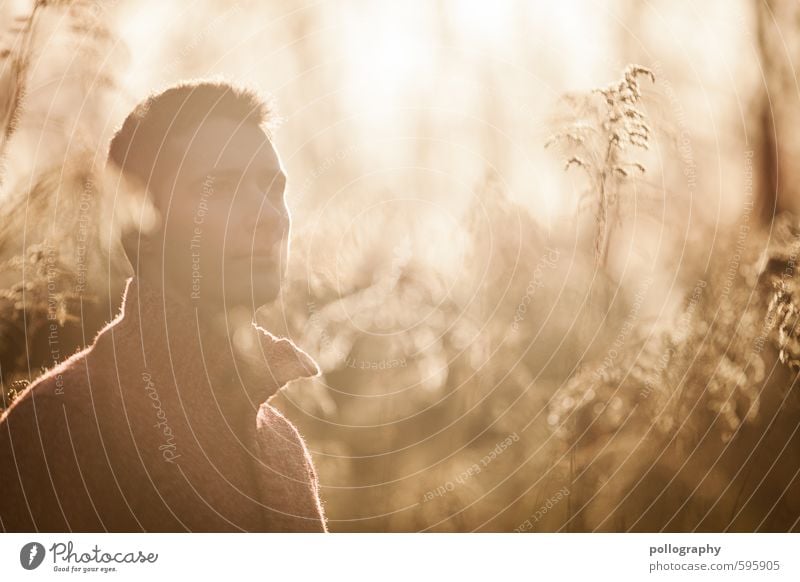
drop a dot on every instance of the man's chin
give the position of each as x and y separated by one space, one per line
253 293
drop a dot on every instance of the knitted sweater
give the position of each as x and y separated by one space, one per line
160 425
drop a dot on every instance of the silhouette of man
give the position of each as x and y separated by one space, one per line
162 423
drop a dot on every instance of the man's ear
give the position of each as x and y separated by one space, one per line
139 235
135 217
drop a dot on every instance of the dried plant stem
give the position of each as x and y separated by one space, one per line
18 60
609 126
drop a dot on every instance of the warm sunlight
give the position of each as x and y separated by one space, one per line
422 266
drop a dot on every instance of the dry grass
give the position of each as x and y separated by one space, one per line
606 125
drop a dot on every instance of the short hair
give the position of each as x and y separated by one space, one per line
135 146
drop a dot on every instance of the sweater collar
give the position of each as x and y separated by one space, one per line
244 366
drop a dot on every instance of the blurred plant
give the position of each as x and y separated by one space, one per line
700 362
607 123
784 305
15 58
33 314
28 37
58 242
688 389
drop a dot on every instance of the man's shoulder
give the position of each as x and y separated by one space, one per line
59 383
65 384
53 381
50 394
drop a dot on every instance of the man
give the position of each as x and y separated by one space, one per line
162 424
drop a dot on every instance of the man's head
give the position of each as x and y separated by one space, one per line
201 151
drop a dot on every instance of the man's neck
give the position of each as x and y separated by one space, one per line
212 314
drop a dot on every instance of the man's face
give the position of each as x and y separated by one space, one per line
225 224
